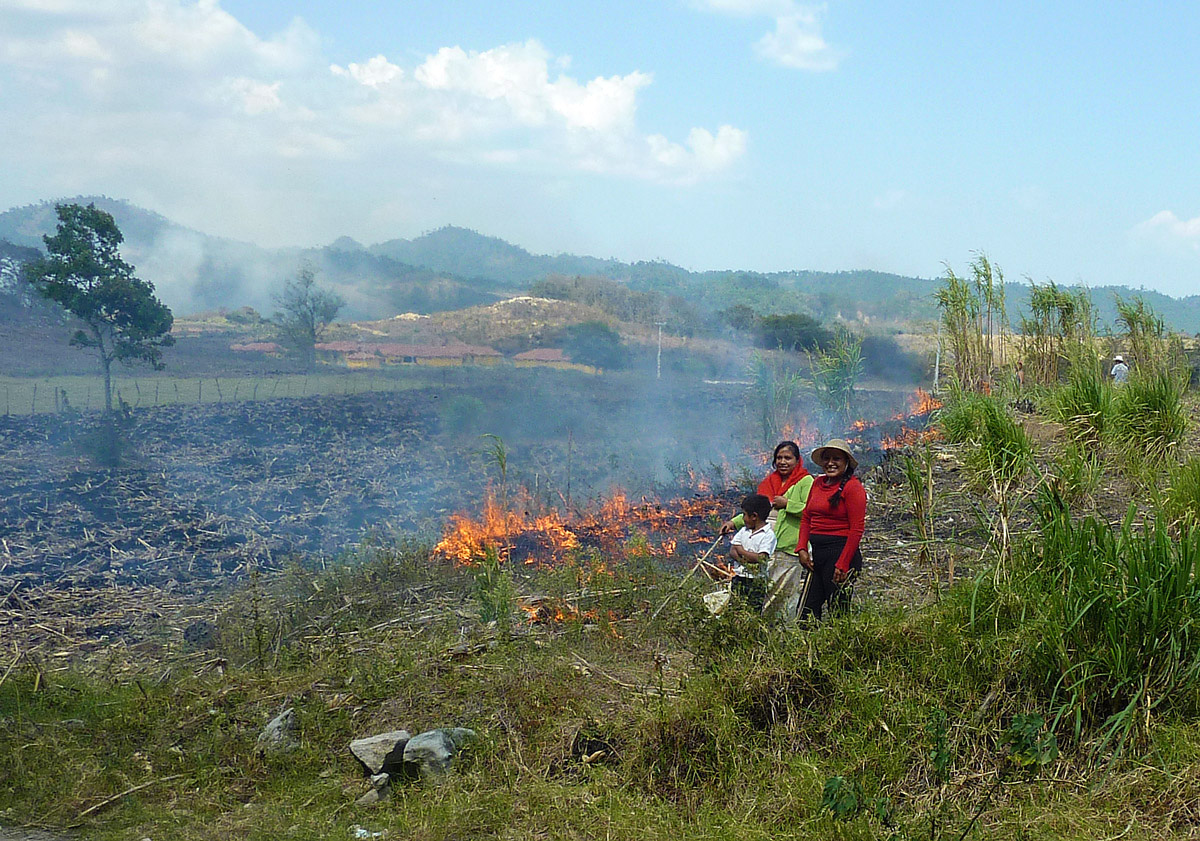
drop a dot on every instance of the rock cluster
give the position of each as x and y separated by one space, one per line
396 755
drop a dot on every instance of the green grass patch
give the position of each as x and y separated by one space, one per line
883 724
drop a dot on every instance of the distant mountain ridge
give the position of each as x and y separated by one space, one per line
453 267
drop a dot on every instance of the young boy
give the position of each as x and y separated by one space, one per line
750 550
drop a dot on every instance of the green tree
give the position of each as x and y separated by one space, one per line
795 331
595 343
123 320
305 313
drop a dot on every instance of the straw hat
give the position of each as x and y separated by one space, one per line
818 455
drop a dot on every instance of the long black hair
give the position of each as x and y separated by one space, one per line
836 499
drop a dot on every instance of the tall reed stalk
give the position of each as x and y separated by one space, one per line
973 315
1060 326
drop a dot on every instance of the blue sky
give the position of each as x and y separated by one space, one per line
1061 138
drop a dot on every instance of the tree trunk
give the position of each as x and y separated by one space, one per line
107 363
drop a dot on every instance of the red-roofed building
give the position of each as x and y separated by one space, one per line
550 357
355 354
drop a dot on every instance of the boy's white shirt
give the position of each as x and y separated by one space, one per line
760 541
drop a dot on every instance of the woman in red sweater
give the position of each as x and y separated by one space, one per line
833 522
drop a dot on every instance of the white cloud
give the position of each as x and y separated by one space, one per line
374 73
460 100
179 98
1168 228
797 40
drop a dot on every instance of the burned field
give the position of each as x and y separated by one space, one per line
211 492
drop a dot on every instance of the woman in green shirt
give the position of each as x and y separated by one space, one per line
784 570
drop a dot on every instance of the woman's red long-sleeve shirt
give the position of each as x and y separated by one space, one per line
848 519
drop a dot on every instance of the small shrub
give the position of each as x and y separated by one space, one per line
842 797
1182 500
1075 476
961 419
1084 405
1120 610
495 590
1149 416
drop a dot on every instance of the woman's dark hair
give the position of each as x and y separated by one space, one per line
836 499
787 445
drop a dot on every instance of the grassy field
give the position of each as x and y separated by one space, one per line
905 724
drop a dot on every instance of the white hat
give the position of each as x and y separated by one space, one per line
1118 358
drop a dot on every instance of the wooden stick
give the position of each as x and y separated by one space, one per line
12 666
691 572
127 791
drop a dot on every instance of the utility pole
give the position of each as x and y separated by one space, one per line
937 359
658 364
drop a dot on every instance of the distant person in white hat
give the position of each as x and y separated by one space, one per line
1120 371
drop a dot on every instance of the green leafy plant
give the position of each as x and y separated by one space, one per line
1030 746
834 372
1084 405
1149 418
774 389
973 313
917 469
1061 323
495 590
1182 497
998 462
843 797
940 754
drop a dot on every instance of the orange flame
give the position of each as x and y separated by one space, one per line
909 438
921 403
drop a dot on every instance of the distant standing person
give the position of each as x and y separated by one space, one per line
1120 370
833 522
787 488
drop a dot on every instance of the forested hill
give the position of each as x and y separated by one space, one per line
877 296
452 267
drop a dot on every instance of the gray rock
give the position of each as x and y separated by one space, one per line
433 751
383 753
380 780
374 797
279 736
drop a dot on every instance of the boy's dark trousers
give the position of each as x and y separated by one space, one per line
753 590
